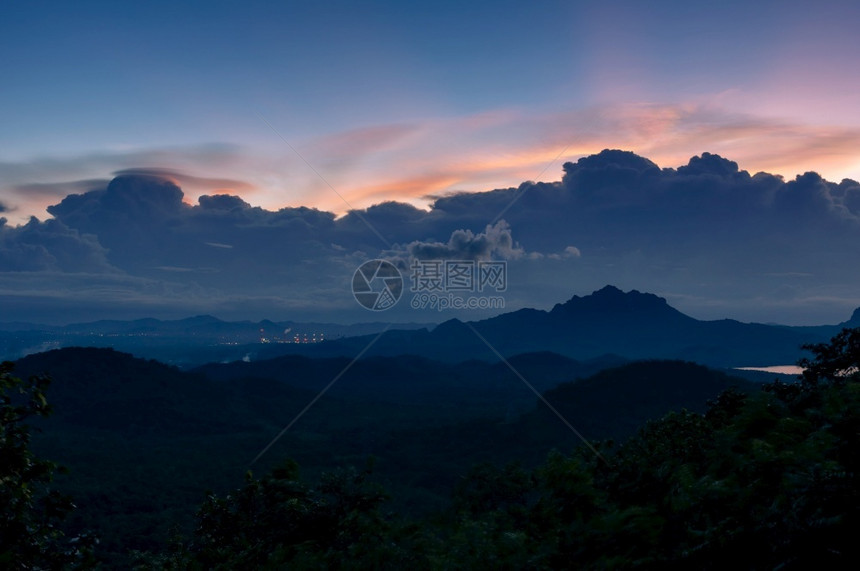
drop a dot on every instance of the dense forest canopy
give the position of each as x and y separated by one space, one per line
764 479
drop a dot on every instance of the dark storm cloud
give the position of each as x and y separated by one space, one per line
618 201
131 217
144 223
49 246
34 184
851 198
223 202
706 229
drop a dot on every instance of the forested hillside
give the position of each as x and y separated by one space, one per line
684 466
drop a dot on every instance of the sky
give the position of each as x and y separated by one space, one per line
338 107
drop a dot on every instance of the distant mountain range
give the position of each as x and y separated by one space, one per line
144 440
631 325
190 341
207 327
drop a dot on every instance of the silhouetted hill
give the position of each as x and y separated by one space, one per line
615 402
107 389
143 440
854 321
613 303
611 404
417 380
632 325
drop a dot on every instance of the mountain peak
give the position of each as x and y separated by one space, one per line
449 326
612 293
610 300
610 290
855 319
200 320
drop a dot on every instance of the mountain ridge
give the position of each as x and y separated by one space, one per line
633 325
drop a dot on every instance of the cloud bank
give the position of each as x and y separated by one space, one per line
438 155
715 239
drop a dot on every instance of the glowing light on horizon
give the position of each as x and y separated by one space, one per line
777 369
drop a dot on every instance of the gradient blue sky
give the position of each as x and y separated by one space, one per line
337 105
400 100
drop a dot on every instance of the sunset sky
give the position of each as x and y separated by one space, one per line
398 100
343 105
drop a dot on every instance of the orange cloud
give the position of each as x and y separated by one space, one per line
450 155
482 151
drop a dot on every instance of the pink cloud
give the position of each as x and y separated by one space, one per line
491 149
450 155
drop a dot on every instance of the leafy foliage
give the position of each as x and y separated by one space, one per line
144 441
280 521
761 481
836 362
772 476
30 534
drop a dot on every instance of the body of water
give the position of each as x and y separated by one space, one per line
779 369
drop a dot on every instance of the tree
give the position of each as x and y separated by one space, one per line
837 361
280 521
30 534
767 480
